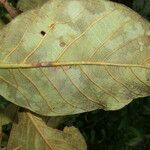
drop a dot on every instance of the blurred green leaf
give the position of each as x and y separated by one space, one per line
142 7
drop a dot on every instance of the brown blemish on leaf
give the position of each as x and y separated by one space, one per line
62 44
52 26
147 37
43 64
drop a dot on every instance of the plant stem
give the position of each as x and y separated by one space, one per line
13 12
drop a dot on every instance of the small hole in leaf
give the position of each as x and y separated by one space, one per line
43 33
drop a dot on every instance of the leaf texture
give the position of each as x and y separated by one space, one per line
1 24
75 56
30 4
54 122
36 135
7 116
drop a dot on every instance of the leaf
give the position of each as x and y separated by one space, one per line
4 20
54 122
30 4
75 56
1 134
1 24
7 115
136 137
142 7
36 135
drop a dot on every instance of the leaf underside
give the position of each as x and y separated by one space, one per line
75 56
36 135
8 114
25 5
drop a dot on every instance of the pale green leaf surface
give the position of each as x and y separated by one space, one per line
30 4
32 133
94 55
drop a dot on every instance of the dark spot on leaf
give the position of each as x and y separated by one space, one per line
62 44
43 33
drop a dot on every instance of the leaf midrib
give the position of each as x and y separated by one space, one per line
71 63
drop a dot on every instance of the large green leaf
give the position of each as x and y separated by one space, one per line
36 135
75 56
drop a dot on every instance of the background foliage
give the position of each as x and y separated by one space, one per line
126 129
